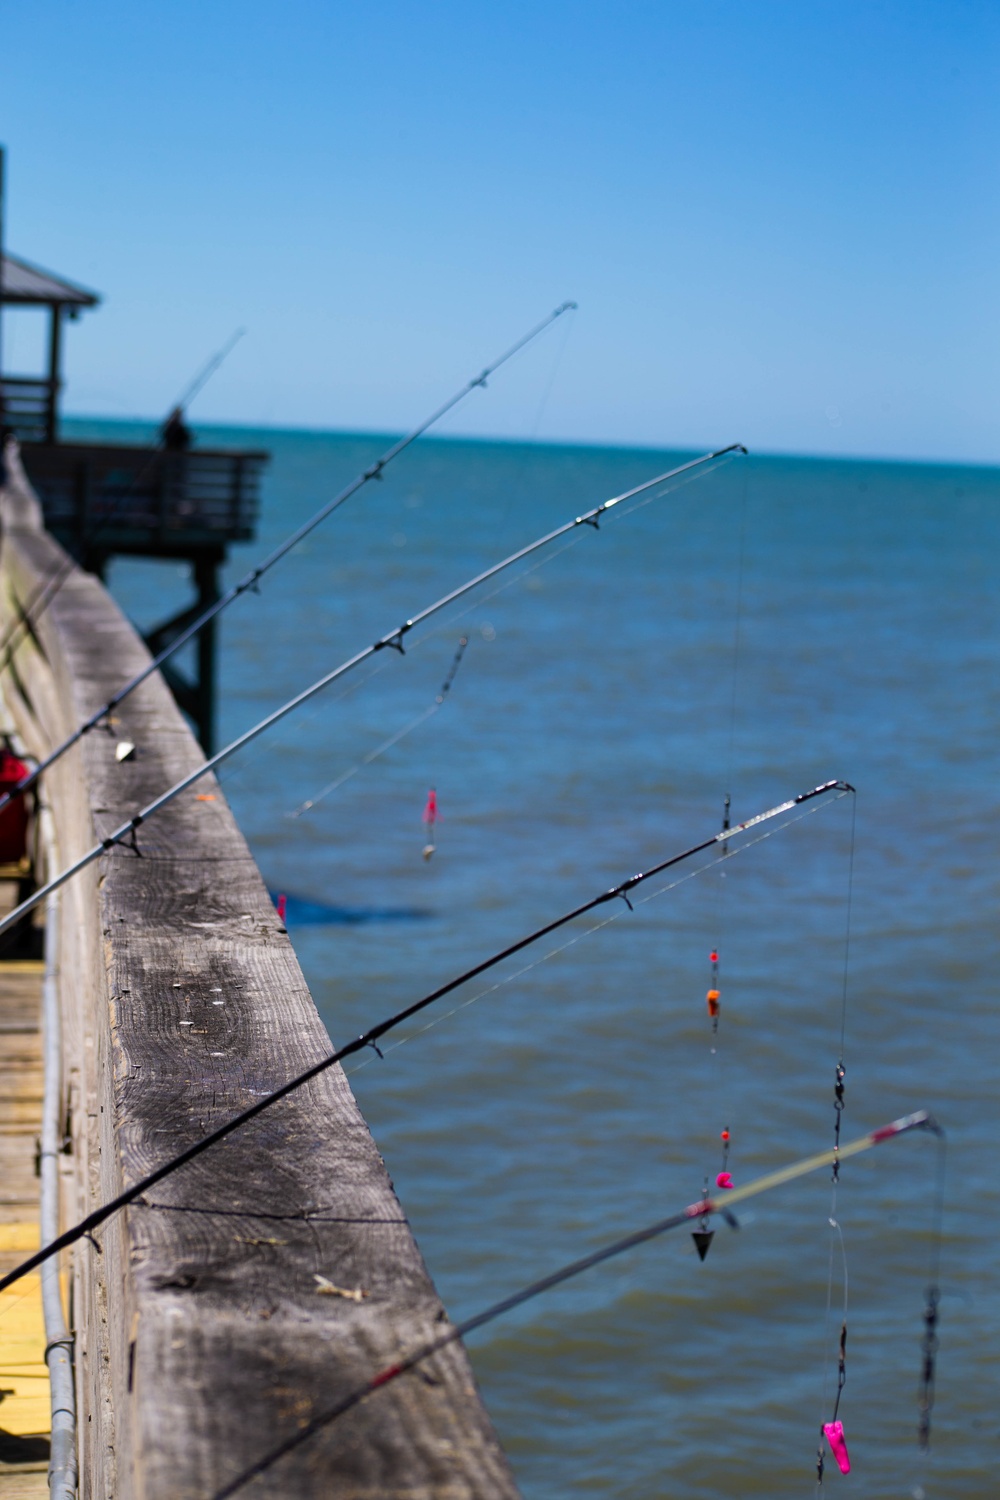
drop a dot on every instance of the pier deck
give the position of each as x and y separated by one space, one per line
24 1381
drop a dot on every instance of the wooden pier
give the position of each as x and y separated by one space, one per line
24 1379
104 500
205 1334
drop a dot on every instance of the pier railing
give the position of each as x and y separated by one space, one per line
28 407
137 499
210 1319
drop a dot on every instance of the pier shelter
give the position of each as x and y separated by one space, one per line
102 500
29 404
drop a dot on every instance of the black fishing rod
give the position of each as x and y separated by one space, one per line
49 587
252 579
917 1121
127 833
373 1036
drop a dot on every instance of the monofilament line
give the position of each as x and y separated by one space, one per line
127 833
616 915
374 1034
707 1206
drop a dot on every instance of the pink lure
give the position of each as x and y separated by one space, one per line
724 1180
834 1432
431 810
281 904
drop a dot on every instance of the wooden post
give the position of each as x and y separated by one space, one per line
55 374
207 584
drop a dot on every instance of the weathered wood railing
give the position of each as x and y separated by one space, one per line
121 499
201 1340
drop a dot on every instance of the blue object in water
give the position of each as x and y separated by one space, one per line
301 912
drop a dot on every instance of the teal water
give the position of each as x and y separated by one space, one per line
605 704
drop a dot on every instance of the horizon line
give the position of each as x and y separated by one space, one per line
382 433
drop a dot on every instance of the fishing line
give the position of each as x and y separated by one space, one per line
556 363
703 1236
730 756
235 775
205 374
374 1034
252 579
451 620
127 834
394 739
929 1342
571 942
704 1208
46 591
835 1437
833 1431
414 644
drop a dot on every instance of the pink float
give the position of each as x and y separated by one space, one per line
834 1434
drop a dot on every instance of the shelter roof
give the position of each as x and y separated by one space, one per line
21 282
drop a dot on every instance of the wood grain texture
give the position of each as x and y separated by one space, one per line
204 1343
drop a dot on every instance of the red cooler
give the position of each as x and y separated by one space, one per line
13 816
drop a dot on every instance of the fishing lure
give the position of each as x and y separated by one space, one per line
375 1033
724 1179
430 817
713 998
834 1434
407 1362
703 1236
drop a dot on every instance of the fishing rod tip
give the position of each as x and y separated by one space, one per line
921 1119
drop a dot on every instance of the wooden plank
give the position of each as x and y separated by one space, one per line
29 1483
24 1380
203 1340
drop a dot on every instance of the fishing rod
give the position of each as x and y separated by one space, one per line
208 370
374 1034
921 1119
127 833
49 587
252 579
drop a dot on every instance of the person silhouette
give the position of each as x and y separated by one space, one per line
175 434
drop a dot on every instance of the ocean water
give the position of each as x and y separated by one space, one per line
768 626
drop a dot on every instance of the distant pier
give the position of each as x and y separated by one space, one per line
167 501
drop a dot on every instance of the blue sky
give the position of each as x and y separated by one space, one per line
780 220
